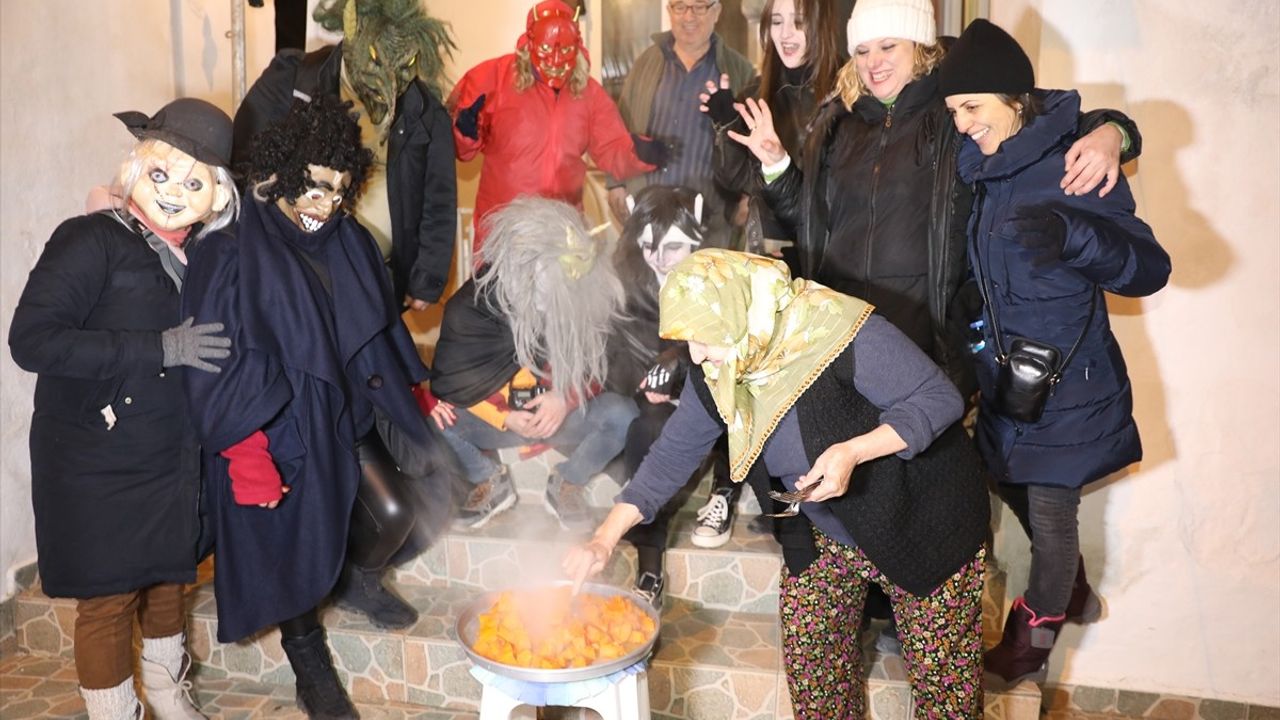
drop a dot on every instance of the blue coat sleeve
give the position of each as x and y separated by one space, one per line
252 388
1111 246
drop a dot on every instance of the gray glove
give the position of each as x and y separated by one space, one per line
193 345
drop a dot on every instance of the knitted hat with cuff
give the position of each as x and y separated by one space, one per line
985 59
904 19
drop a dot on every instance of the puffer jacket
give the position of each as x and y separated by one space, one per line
1087 430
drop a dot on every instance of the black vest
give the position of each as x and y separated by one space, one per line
917 520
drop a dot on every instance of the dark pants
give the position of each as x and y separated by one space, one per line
104 631
651 538
1048 514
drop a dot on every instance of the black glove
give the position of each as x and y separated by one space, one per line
649 150
467 122
720 108
194 345
667 372
1041 231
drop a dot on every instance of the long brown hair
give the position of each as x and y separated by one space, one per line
822 48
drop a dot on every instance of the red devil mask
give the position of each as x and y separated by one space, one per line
553 42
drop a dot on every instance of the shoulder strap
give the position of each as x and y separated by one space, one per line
1001 357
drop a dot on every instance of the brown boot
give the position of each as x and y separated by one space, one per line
1085 606
1022 652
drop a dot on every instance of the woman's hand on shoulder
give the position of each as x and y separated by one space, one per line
832 471
1092 159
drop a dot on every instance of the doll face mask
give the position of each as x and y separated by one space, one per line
320 202
553 49
667 252
175 190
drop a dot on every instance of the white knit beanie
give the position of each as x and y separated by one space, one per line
906 19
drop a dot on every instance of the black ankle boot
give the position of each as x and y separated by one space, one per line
320 694
363 591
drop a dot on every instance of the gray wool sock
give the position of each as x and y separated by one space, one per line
116 703
166 651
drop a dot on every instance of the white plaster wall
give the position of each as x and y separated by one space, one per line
65 66
1185 547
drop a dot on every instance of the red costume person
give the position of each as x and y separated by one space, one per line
533 114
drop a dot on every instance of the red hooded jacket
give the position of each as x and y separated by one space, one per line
533 141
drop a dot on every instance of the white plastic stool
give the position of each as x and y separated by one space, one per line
627 699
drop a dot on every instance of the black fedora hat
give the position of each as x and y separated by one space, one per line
197 128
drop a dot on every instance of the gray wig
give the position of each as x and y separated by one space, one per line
134 167
554 283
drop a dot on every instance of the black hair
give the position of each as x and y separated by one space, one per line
1029 106
658 207
322 132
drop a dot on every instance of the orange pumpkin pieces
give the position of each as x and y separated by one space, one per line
550 629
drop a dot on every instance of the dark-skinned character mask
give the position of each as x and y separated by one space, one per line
321 201
387 44
311 163
553 41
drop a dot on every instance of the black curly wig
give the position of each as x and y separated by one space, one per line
322 132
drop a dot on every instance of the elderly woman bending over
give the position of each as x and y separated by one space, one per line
816 389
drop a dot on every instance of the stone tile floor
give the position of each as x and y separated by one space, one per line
40 687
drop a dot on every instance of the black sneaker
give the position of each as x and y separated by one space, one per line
715 520
568 503
486 501
364 592
649 588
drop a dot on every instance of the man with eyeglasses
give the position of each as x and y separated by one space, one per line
660 100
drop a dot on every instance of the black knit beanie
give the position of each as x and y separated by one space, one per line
985 59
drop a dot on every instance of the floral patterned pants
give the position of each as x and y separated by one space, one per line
941 637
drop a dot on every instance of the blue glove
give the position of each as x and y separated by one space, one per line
649 150
1041 231
468 120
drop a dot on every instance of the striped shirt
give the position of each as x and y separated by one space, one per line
676 120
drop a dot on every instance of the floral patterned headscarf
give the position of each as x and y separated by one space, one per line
781 333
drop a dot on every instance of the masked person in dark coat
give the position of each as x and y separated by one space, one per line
390 64
307 423
115 468
1042 260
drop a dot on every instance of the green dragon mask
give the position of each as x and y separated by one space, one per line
387 44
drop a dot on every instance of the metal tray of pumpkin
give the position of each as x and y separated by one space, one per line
543 634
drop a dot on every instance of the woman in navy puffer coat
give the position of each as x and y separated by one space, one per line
1043 259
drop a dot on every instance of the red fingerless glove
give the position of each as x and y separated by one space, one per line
426 401
254 477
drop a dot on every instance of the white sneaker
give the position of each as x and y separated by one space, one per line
715 521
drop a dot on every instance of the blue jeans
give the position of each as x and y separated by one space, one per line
590 439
